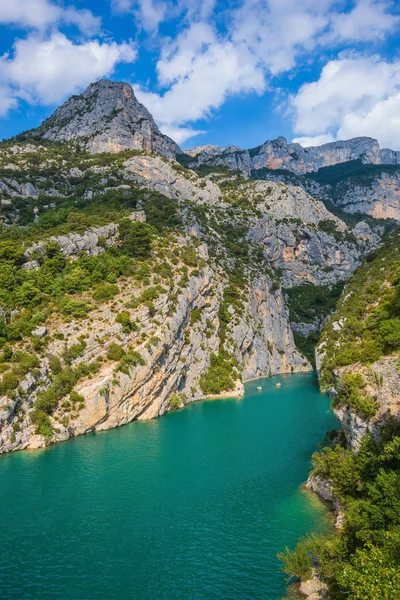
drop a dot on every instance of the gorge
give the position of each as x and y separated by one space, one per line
137 278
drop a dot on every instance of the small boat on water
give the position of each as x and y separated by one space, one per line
259 388
278 385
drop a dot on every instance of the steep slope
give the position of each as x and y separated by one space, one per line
358 470
107 117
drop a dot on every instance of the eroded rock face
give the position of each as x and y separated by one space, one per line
379 197
278 154
107 117
303 239
178 355
164 177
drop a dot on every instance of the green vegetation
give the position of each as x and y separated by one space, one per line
360 562
115 352
308 303
360 173
221 375
366 324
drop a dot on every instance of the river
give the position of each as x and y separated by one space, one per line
193 505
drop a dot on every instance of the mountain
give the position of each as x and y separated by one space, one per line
354 175
107 117
131 285
278 154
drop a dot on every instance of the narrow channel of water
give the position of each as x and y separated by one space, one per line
194 505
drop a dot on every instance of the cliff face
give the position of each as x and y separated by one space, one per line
278 154
107 117
378 197
174 353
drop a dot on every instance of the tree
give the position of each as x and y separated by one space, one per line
136 238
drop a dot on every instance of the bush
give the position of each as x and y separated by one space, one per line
350 393
175 402
8 383
124 319
55 364
220 376
136 238
115 352
105 292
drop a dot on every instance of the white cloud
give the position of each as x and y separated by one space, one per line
39 14
353 97
369 19
149 13
7 100
201 68
180 134
200 72
47 70
316 140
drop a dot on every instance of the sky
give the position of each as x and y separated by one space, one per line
224 72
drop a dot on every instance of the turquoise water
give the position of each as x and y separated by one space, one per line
194 505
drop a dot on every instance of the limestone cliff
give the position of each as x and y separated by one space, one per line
278 154
174 354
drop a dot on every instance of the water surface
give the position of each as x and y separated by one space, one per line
194 505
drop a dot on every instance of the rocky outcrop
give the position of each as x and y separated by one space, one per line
382 384
302 238
169 179
90 242
107 117
378 196
324 488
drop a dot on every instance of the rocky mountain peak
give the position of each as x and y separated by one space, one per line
107 117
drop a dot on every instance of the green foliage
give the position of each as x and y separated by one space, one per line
307 345
55 365
104 292
195 316
73 352
307 303
8 383
298 562
175 402
115 352
370 321
220 376
351 394
124 319
362 560
130 359
136 238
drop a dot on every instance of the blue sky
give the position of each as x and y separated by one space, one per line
212 72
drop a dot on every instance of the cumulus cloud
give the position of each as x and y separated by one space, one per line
352 97
369 19
149 13
200 71
39 14
40 70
